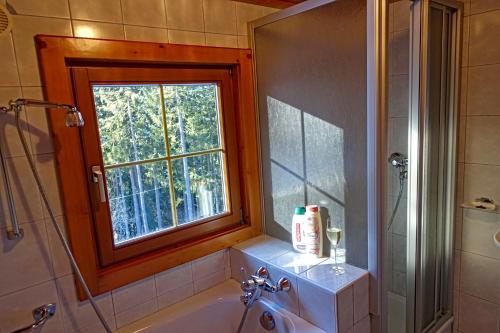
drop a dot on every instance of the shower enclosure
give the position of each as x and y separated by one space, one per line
386 157
424 54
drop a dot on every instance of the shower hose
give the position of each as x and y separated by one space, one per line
65 244
402 178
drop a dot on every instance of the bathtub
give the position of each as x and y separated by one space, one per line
218 310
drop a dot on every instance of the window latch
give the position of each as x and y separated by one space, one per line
97 178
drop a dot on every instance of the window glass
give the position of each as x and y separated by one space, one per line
163 156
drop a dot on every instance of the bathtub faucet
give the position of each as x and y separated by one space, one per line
253 285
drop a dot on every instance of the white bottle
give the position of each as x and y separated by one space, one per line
298 234
313 231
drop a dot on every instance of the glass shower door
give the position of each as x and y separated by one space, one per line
424 64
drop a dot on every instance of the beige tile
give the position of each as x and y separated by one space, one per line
458 228
464 77
402 15
52 8
361 298
481 181
221 40
134 294
456 311
483 94
186 37
313 301
398 96
26 261
459 190
479 6
207 265
220 16
46 167
172 278
391 17
245 13
24 29
9 137
290 299
8 70
465 41
40 135
136 313
209 281
400 52
26 196
456 269
478 231
96 10
345 310
362 326
243 42
60 261
79 316
483 41
15 308
89 29
462 139
479 276
150 13
146 34
175 295
185 15
477 315
483 139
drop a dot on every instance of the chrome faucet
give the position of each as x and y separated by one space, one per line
253 285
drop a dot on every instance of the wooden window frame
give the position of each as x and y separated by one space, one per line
57 56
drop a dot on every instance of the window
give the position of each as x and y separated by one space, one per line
165 169
161 152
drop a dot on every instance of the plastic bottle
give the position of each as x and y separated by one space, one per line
298 239
313 233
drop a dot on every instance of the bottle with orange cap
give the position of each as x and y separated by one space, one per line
313 232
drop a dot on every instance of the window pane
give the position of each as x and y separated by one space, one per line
139 200
130 122
192 117
199 187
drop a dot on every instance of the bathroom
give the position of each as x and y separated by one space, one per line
154 153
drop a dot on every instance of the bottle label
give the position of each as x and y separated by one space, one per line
298 234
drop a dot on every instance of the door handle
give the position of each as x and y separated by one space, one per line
98 178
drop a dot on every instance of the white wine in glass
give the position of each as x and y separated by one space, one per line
334 234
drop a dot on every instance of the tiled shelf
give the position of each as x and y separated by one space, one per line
334 303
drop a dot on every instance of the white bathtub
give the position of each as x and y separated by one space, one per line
218 310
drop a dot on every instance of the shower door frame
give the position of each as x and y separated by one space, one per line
418 103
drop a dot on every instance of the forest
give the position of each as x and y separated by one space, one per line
162 153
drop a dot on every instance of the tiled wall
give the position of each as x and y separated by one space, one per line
399 33
477 260
35 269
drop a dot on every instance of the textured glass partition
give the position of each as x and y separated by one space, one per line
311 77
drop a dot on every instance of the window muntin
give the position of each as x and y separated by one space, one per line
163 153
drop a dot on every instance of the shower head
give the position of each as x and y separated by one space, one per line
73 116
398 160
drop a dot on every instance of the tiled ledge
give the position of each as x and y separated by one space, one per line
334 303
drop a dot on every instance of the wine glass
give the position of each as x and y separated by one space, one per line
334 234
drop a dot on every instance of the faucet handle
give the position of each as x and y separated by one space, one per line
262 272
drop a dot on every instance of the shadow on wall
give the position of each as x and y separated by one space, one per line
307 166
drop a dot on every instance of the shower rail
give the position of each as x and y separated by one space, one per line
73 119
